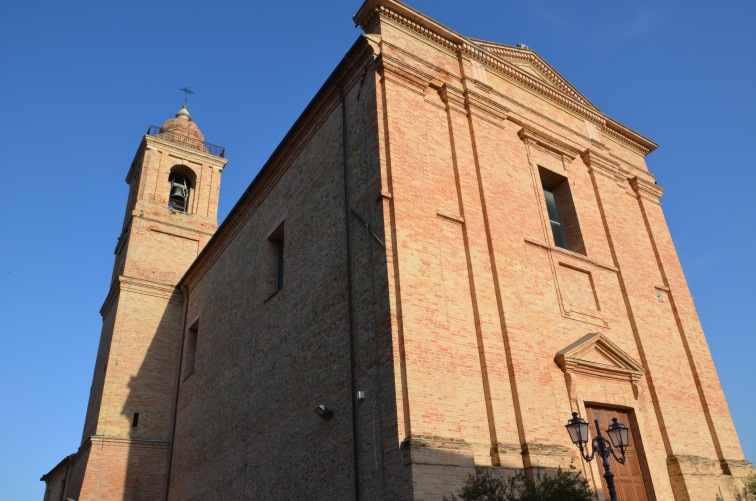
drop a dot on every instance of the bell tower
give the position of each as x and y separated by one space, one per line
171 213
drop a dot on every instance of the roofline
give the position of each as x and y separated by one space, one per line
344 71
541 59
450 39
66 461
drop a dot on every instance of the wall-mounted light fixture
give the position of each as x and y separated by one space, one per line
323 411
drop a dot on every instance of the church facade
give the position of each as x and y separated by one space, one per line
450 252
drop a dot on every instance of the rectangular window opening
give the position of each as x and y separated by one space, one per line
279 263
135 420
275 261
190 349
560 208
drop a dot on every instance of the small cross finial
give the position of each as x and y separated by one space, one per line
186 91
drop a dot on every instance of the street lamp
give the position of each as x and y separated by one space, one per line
618 434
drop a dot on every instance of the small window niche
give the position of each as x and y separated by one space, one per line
560 207
190 349
181 187
274 257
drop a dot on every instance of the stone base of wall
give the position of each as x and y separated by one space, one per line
441 465
695 477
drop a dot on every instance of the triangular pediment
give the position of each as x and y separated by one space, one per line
518 63
532 71
594 354
534 66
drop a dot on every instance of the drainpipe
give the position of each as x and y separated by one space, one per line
185 292
350 294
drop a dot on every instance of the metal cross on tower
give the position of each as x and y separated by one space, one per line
186 91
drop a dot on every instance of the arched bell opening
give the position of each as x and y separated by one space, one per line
181 181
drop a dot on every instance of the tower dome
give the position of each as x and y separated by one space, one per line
183 124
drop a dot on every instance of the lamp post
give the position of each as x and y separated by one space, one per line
577 427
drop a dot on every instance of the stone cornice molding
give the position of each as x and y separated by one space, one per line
491 110
563 93
372 10
623 161
571 254
646 189
456 43
188 153
616 364
603 164
402 73
530 57
453 97
128 441
531 136
182 231
515 73
630 138
130 284
147 287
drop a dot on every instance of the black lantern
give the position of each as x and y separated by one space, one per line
618 434
577 427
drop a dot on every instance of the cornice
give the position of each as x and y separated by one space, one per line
529 56
571 254
365 17
593 157
128 441
187 231
623 161
456 43
512 71
199 156
147 287
596 161
646 189
529 135
400 56
140 286
644 149
489 107
408 75
566 96
619 365
453 97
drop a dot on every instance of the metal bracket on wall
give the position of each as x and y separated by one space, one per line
367 227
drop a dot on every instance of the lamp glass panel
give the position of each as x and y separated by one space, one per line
578 430
618 434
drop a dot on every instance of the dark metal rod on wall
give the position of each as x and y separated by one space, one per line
350 294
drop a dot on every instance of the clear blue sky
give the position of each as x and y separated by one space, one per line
81 81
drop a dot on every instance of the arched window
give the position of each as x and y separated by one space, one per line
181 184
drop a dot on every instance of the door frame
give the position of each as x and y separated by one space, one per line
596 471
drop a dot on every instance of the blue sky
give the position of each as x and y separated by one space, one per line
81 81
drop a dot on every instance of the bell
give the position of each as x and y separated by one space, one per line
178 191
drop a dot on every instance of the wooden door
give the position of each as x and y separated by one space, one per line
628 478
